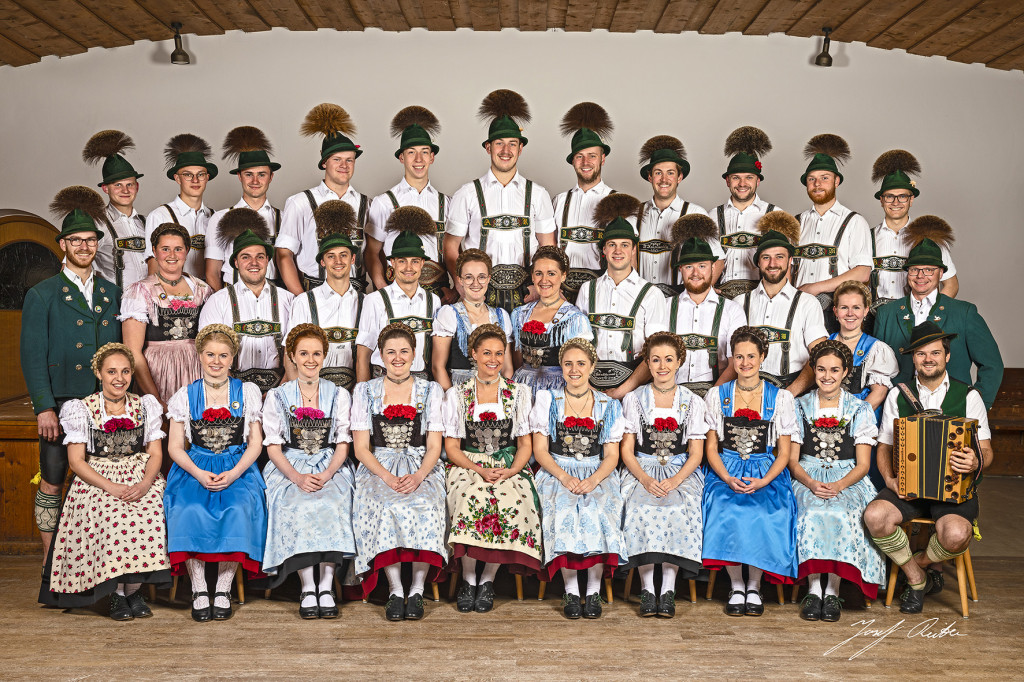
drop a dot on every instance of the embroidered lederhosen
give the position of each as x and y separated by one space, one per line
340 376
358 280
508 280
777 335
173 325
694 342
273 240
122 244
737 240
816 251
612 373
578 234
538 349
196 241
663 444
576 442
828 444
657 247
424 325
433 276
397 433
266 379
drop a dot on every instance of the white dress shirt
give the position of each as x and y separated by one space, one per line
215 250
923 307
126 227
739 260
893 284
381 209
581 214
333 310
657 225
193 221
503 246
298 229
651 316
808 325
375 318
262 351
693 318
932 400
85 287
854 248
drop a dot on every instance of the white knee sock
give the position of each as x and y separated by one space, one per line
736 578
594 574
306 585
225 573
833 584
120 589
646 577
668 577
814 584
572 585
326 584
490 570
419 577
394 576
753 583
469 569
197 575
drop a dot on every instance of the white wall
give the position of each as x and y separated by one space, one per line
962 122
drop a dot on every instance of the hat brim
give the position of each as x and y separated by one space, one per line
120 176
210 168
726 174
266 247
522 140
913 190
328 153
433 148
696 258
605 148
645 171
65 235
274 167
925 340
803 178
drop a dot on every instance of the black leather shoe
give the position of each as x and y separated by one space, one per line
832 608
465 597
220 612
204 614
395 608
571 606
138 605
592 607
119 608
912 601
648 604
327 612
938 580
754 609
811 607
735 609
667 605
484 598
414 607
308 612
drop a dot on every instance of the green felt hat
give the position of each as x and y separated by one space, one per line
415 135
746 145
115 168
821 162
333 241
694 250
107 146
926 253
338 142
744 163
408 245
585 138
923 334
504 127
618 229
248 147
78 221
897 180
661 155
247 239
186 150
79 209
254 159
825 151
771 239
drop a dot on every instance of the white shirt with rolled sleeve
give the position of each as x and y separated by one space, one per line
375 317
657 225
886 243
298 230
808 325
382 207
739 261
581 214
333 310
193 221
932 400
125 227
854 249
503 246
651 316
261 352
215 250
693 318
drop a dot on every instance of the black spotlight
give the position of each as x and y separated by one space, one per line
179 56
823 59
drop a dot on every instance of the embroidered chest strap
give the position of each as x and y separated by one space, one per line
830 251
256 328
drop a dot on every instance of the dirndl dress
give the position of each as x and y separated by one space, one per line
103 541
759 528
831 538
579 531
392 527
305 529
666 529
492 522
540 369
223 525
453 320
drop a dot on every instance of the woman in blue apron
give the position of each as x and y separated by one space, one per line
749 508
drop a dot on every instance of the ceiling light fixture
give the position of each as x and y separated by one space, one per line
179 56
824 58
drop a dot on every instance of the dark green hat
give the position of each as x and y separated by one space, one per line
894 169
507 112
334 241
335 125
78 221
897 180
821 162
659 149
107 146
502 128
186 150
926 253
771 239
824 151
335 220
254 159
334 144
249 147
587 122
923 334
618 229
415 125
585 138
746 145
690 235
79 208
611 215
247 239
408 245
777 228
694 250
743 163
415 136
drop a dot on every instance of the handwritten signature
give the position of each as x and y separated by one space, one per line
924 629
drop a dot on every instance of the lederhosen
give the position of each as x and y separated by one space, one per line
265 379
196 241
433 276
828 444
737 240
816 251
509 281
891 263
657 247
273 240
576 442
776 335
663 444
122 244
358 280
417 324
173 325
696 341
579 234
340 376
613 373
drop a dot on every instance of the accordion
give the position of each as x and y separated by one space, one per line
922 447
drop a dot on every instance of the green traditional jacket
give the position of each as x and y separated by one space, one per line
973 345
60 333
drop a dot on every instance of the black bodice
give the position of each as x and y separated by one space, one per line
538 350
173 325
309 435
744 436
829 444
488 437
663 444
397 433
576 441
119 444
218 436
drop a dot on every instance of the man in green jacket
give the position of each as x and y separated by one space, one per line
64 320
973 343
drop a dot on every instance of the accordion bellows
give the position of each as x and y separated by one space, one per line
923 445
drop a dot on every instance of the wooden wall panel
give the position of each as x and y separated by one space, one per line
984 18
994 44
33 33
19 462
778 16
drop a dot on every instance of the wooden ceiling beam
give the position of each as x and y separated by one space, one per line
994 44
484 14
1014 59
627 15
390 15
33 33
983 18
437 14
508 13
604 14
652 14
332 14
730 15
825 13
684 15
872 20
460 13
14 54
79 23
556 12
366 11
920 23
130 18
778 16
237 14
579 16
193 19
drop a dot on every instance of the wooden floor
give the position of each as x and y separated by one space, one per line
530 640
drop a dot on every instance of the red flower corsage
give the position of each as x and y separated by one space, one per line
212 414
665 424
534 327
488 417
749 414
580 423
118 424
308 413
828 423
179 304
399 412
757 165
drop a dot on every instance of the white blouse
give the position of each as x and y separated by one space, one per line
685 402
783 421
368 399
77 422
335 402
879 365
252 399
454 414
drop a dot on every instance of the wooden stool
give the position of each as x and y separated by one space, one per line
964 572
711 588
239 586
453 584
610 598
629 584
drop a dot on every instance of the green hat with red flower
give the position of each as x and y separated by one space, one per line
746 145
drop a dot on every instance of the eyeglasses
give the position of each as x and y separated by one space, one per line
927 272
896 198
77 241
189 177
481 278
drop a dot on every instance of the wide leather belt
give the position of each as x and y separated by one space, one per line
580 234
739 240
611 373
655 246
889 263
340 334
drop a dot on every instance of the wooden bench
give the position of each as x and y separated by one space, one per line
1006 418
